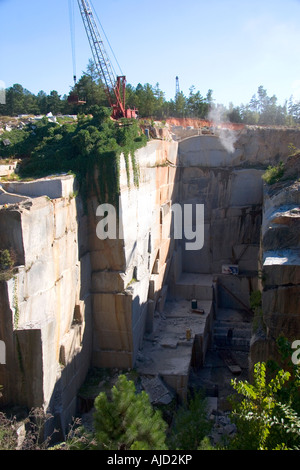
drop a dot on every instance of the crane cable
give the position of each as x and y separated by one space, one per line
72 32
121 73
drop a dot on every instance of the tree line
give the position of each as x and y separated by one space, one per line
151 103
265 110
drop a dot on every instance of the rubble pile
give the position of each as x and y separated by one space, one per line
223 429
7 124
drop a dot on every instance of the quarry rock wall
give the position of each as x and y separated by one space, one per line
248 224
280 260
230 188
224 173
76 300
45 306
128 273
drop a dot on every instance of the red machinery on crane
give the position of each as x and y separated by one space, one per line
115 87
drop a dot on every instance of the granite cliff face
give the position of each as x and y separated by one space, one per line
76 300
248 223
280 260
128 273
232 197
45 306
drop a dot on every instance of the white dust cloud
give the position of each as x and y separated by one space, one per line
227 136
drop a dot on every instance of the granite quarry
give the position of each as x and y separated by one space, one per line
177 317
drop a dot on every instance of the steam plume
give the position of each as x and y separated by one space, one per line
227 136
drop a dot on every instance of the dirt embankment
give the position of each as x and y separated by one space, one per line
198 123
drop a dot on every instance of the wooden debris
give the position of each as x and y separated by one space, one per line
230 361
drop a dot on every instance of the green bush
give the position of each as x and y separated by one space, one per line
190 425
6 264
255 299
264 421
33 437
273 173
92 143
8 435
6 261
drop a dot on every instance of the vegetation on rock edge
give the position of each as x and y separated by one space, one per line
92 144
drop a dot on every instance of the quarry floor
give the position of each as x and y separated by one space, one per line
214 378
168 348
167 351
165 363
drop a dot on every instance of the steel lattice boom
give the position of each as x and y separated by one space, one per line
114 86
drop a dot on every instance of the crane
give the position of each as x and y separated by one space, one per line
115 87
177 87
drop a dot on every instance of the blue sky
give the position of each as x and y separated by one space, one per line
229 46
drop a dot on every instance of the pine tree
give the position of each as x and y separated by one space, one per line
128 421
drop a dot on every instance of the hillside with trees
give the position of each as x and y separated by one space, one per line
151 103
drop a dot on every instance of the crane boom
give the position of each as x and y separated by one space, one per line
114 86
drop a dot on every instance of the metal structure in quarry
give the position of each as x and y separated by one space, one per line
143 300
